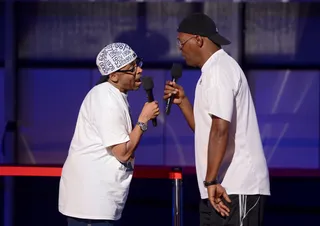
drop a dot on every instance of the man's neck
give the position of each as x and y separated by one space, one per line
206 56
207 53
118 87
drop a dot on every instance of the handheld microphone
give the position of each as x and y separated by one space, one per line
176 72
148 85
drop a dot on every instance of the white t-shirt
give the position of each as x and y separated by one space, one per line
222 90
94 184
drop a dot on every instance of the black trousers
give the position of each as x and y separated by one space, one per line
82 222
245 210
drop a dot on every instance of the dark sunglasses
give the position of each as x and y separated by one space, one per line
139 63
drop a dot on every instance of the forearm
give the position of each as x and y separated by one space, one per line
216 151
132 144
124 151
187 111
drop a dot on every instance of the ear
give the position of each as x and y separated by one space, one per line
114 77
199 41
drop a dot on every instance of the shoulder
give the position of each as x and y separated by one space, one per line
105 92
224 72
103 97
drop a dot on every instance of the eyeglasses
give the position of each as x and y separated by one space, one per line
181 44
139 63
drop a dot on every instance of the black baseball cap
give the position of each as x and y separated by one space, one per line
203 25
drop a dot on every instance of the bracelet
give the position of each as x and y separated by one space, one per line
208 183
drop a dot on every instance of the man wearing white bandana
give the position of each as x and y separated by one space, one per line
97 173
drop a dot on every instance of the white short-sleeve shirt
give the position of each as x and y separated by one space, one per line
94 184
222 91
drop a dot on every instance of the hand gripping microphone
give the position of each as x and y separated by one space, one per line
176 72
148 85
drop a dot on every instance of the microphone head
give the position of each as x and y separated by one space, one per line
176 71
147 82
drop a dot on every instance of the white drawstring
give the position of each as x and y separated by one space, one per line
243 207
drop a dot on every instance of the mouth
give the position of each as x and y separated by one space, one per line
137 82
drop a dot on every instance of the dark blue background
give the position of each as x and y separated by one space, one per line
49 100
57 42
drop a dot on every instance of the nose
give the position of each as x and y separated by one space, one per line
139 70
179 45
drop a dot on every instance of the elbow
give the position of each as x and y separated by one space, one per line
123 158
120 153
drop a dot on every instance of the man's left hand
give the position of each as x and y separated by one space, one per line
215 195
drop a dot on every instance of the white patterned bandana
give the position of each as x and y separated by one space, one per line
113 57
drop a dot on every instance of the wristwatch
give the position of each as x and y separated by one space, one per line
208 183
143 126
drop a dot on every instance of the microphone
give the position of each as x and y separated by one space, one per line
147 83
176 72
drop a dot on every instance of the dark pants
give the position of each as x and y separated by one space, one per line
250 213
82 222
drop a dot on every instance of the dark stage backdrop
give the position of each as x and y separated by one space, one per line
275 35
78 30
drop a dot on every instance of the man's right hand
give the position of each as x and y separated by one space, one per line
149 111
171 88
181 100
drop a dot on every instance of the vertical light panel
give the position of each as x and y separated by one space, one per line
226 16
280 33
2 21
2 122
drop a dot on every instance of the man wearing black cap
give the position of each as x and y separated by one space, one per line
231 167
